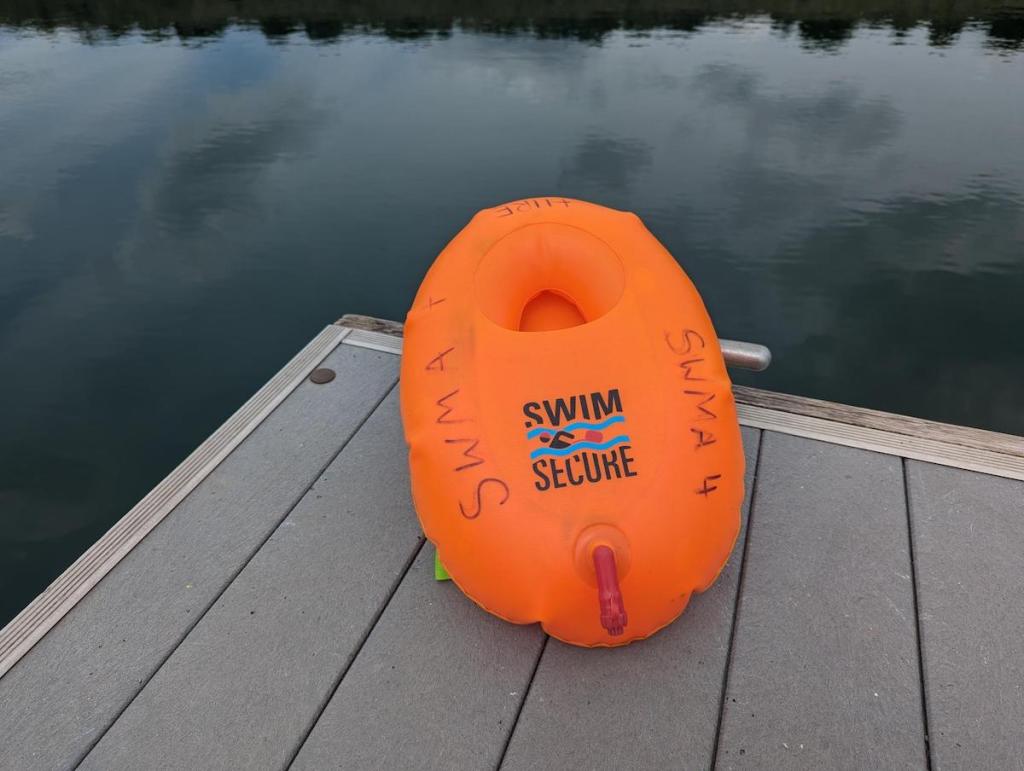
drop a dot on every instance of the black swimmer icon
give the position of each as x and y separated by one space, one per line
557 442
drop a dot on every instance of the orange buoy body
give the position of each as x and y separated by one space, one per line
573 444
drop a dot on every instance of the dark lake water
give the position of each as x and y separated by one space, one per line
190 191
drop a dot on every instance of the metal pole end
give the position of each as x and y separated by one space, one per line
752 356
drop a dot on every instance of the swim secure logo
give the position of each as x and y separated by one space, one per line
579 439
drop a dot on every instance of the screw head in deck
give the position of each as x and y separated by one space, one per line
321 376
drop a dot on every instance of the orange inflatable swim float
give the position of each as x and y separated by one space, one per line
573 444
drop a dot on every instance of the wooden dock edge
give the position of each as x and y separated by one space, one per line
29 626
973 449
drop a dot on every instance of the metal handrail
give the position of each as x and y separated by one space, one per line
746 355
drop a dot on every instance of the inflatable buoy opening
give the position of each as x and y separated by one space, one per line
548 277
548 311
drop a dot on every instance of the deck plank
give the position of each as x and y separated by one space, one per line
56 702
968 534
824 669
245 686
437 685
653 704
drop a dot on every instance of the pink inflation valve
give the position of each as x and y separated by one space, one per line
609 596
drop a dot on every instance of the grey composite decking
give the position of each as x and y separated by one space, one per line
283 613
825 660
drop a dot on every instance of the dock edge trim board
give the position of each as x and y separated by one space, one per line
960 447
43 613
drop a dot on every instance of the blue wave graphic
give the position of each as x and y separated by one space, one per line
542 451
574 426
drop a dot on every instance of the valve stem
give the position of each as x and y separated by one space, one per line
609 596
